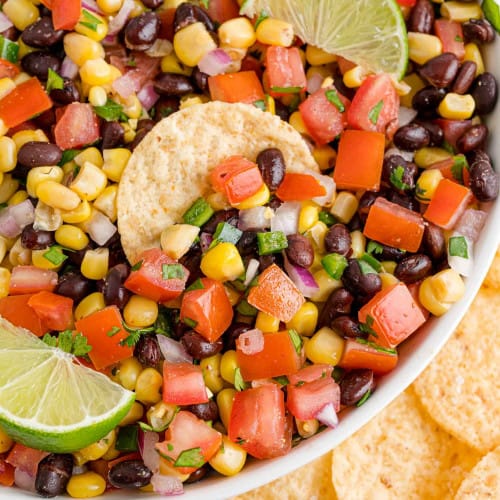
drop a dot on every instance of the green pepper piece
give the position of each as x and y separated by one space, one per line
198 213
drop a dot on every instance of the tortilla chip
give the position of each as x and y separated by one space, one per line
401 453
483 481
169 169
461 387
492 279
311 482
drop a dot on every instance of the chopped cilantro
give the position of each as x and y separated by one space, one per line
396 179
113 331
374 248
458 38
294 104
67 342
137 266
89 20
363 400
170 447
54 81
239 383
375 346
172 271
111 111
68 155
260 104
246 309
457 169
54 255
457 247
262 16
134 334
367 327
195 285
375 112
190 458
333 97
190 322
282 380
365 267
296 340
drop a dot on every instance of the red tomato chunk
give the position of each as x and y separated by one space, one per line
183 384
305 400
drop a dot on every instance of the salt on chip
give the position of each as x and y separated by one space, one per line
401 453
483 481
461 388
170 168
311 482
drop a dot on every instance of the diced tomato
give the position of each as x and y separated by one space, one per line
207 308
187 432
8 69
453 129
344 64
392 315
375 106
310 373
448 203
394 225
223 10
56 311
31 279
25 458
183 384
150 277
105 333
304 401
278 357
285 70
299 187
276 294
323 118
243 86
451 35
15 308
359 160
77 126
407 3
6 473
359 354
65 13
414 290
226 169
258 422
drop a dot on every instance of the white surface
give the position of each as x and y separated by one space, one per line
415 355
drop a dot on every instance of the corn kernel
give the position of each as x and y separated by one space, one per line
297 123
57 195
425 157
427 184
140 312
439 292
225 400
229 459
3 128
4 282
389 266
81 48
161 414
8 154
261 197
344 206
71 237
24 136
92 25
89 305
176 240
106 202
22 77
109 6
354 77
97 96
457 107
172 64
222 262
90 181
18 255
191 100
96 72
192 43
275 32
115 161
237 32
148 385
358 244
416 83
307 428
132 107
325 346
308 216
325 156
228 365
135 413
37 175
422 47
80 214
94 265
316 56
305 319
461 11
47 218
39 259
266 322
95 450
326 285
22 13
317 235
387 280
128 372
210 368
473 53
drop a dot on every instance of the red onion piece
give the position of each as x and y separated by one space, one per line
286 217
254 218
128 83
314 83
251 342
109 40
167 485
172 350
205 241
215 62
24 480
252 270
118 22
406 115
15 217
407 155
92 6
148 96
302 278
328 416
9 228
100 228
5 22
68 68
471 223
146 443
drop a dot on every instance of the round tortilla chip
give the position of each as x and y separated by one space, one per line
492 279
399 454
169 169
484 479
461 388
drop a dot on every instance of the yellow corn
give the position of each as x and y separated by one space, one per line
387 280
128 132
266 322
8 154
148 385
3 128
81 48
439 292
80 214
176 240
86 485
210 368
37 175
344 206
111 452
135 414
425 157
191 100
422 47
316 56
358 244
325 346
109 6
94 265
389 266
128 372
4 281
222 262
71 237
237 32
172 64
6 441
305 319
461 11
317 234
97 95
21 77
160 414
473 53
307 428
354 77
230 458
92 25
8 186
96 72
18 255
24 136
106 202
275 32
90 181
39 259
17 197
308 216
456 106
325 156
225 400
115 161
192 43
297 123
90 304
22 13
415 83
23 51
95 450
326 285
228 365
140 312
92 154
7 85
261 197
57 195
427 184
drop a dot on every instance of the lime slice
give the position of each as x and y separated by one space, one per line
371 33
51 402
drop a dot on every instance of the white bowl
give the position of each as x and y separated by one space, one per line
415 355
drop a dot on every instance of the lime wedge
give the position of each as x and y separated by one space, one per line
51 402
371 33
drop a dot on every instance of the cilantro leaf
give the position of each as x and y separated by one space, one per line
111 111
239 383
457 247
296 340
396 179
190 458
333 97
54 81
75 344
262 16
375 112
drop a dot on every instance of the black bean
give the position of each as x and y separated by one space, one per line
147 350
404 200
152 4
484 90
347 326
36 239
173 84
267 260
413 268
441 70
53 474
188 13
465 77
198 474
338 303
436 134
74 285
478 31
11 33
472 139
426 100
205 411
165 106
129 474
421 18
354 385
484 181
42 34
199 347
338 240
411 137
146 123
282 111
38 154
362 286
142 31
68 94
200 79
385 252
247 244
272 167
46 121
300 251
139 136
434 242
112 286
191 260
365 202
38 64
112 134
401 180
233 332
230 216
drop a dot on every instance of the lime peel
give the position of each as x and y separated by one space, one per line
48 400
